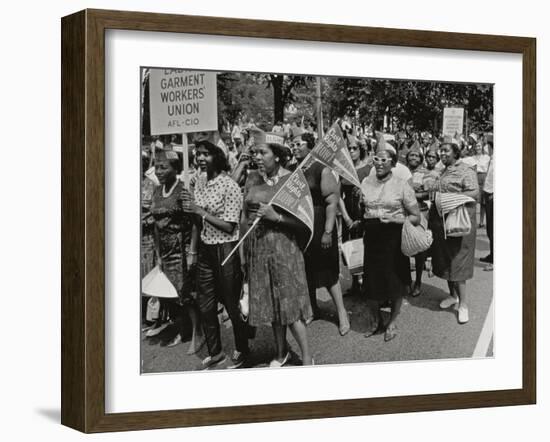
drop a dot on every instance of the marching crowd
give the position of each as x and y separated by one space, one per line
189 231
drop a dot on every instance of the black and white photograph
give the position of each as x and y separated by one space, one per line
293 220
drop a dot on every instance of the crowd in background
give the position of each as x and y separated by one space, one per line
189 232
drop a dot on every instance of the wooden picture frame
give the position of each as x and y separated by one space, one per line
83 220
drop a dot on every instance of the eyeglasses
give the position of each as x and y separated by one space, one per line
352 148
381 160
299 144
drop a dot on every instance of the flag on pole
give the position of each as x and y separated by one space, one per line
333 153
295 197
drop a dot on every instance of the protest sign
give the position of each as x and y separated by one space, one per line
182 101
295 197
332 152
453 121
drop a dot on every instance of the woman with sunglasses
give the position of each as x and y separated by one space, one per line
453 257
322 256
387 200
350 199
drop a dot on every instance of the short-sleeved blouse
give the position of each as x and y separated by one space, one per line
458 178
417 183
390 196
220 197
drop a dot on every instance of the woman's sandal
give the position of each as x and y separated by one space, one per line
344 329
390 333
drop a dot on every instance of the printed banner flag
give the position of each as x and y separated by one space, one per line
333 153
295 197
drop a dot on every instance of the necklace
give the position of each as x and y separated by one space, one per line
166 195
273 180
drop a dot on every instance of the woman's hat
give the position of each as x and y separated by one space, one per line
383 142
352 141
166 155
260 137
449 140
297 132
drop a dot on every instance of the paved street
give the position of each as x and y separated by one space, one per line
424 331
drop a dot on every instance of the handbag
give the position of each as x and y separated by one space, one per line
415 239
353 254
153 309
244 306
458 222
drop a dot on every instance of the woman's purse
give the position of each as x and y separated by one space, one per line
244 306
415 239
457 222
452 208
353 253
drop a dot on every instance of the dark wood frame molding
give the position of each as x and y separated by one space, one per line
83 217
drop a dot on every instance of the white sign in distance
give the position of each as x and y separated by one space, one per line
453 121
182 101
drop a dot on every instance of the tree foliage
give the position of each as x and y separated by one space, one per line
417 104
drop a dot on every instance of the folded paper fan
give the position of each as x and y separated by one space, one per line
157 284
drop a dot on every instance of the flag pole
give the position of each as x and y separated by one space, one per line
257 220
319 109
185 150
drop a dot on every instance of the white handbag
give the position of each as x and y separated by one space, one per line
457 222
244 306
353 253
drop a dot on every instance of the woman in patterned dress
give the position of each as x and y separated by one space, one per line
272 259
173 230
453 257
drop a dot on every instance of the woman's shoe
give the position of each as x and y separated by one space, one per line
344 329
449 301
276 364
416 291
390 333
463 316
176 341
195 348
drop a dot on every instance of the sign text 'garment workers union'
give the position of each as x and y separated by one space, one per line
182 101
453 121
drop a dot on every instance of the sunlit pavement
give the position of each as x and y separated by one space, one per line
424 330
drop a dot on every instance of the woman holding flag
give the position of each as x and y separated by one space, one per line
322 256
271 256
